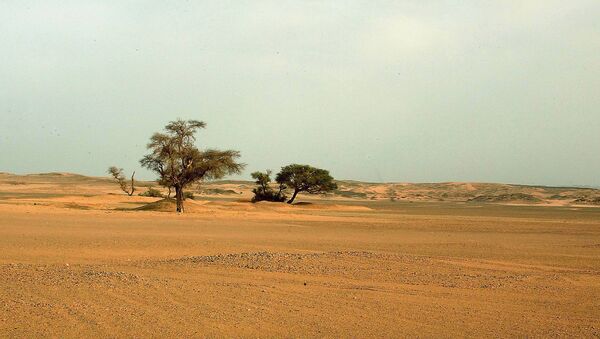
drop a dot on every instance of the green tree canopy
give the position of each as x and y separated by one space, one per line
179 163
305 178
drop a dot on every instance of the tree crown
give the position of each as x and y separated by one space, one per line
175 158
262 179
305 178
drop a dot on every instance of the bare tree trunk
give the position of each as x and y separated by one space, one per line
293 197
179 198
169 194
132 184
280 196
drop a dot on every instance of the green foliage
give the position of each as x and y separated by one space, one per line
305 178
188 195
264 192
152 192
179 163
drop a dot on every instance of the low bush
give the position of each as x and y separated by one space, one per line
264 192
152 192
268 195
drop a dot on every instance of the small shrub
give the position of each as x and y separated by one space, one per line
188 195
264 192
117 174
152 192
219 191
351 194
269 195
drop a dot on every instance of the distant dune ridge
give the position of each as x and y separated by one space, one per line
70 183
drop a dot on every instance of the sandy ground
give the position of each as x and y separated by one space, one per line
88 265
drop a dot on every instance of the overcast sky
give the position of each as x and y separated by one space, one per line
419 91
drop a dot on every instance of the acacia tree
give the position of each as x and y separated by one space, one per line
117 174
305 178
179 163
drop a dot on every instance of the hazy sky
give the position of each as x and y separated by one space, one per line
421 91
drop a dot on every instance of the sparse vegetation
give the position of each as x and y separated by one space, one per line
587 201
73 205
117 174
15 183
350 194
179 163
264 192
218 191
305 178
391 192
514 197
153 193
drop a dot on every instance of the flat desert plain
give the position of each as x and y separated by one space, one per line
80 259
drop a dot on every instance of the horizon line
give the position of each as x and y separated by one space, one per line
583 186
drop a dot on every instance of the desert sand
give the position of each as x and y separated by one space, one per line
80 259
